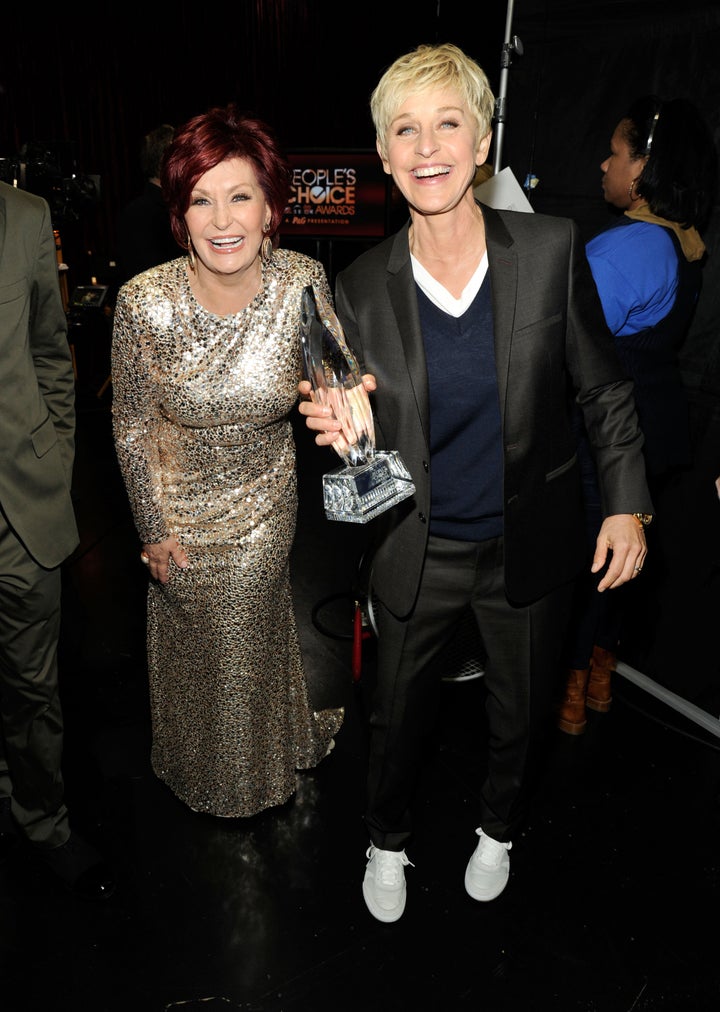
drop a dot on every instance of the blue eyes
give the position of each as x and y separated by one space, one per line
446 124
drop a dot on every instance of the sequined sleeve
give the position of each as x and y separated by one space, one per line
136 415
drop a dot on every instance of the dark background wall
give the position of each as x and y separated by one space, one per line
91 90
82 92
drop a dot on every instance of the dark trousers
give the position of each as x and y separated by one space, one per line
31 726
523 645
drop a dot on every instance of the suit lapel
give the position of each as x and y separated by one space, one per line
403 299
503 270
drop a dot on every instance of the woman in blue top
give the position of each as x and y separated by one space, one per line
661 174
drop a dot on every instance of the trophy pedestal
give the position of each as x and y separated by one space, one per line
358 494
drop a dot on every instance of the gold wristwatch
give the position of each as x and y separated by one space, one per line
643 518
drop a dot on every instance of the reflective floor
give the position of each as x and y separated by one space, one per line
613 902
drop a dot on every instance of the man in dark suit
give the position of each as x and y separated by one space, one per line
476 327
37 533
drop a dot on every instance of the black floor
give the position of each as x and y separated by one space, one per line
613 902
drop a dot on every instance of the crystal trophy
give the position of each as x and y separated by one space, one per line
369 481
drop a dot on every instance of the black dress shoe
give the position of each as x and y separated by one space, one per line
80 868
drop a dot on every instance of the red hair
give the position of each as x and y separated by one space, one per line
213 137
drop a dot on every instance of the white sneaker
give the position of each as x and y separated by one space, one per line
384 883
488 869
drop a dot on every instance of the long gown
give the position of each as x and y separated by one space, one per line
201 425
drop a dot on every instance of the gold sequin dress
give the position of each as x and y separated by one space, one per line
201 424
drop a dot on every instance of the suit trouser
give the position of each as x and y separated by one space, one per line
523 645
31 724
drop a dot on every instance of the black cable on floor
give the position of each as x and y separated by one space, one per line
322 603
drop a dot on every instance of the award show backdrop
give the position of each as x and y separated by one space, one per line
77 98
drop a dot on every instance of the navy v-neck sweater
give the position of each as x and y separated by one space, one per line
465 431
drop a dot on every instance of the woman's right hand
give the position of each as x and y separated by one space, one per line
319 417
157 558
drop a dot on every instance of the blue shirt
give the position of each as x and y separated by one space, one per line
636 274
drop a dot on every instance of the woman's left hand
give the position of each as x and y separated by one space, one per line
625 537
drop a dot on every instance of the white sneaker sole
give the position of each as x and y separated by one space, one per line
471 676
380 913
485 895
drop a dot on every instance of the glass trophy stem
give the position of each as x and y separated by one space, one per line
370 481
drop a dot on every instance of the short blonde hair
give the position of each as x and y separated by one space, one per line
430 67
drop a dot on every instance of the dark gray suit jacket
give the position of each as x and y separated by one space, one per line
550 337
37 402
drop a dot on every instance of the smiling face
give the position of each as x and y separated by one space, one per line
433 149
226 216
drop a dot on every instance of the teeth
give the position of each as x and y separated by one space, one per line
231 241
435 170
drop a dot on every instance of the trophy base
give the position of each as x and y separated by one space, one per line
358 494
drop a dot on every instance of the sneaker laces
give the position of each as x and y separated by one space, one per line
388 866
490 851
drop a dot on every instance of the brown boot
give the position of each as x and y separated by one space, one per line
602 665
571 714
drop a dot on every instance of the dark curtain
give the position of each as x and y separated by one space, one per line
77 93
78 96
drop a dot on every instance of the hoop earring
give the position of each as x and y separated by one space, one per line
631 195
266 250
191 255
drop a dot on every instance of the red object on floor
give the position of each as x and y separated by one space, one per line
359 634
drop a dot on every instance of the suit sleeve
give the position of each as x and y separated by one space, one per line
605 394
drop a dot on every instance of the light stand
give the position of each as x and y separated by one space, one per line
512 44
